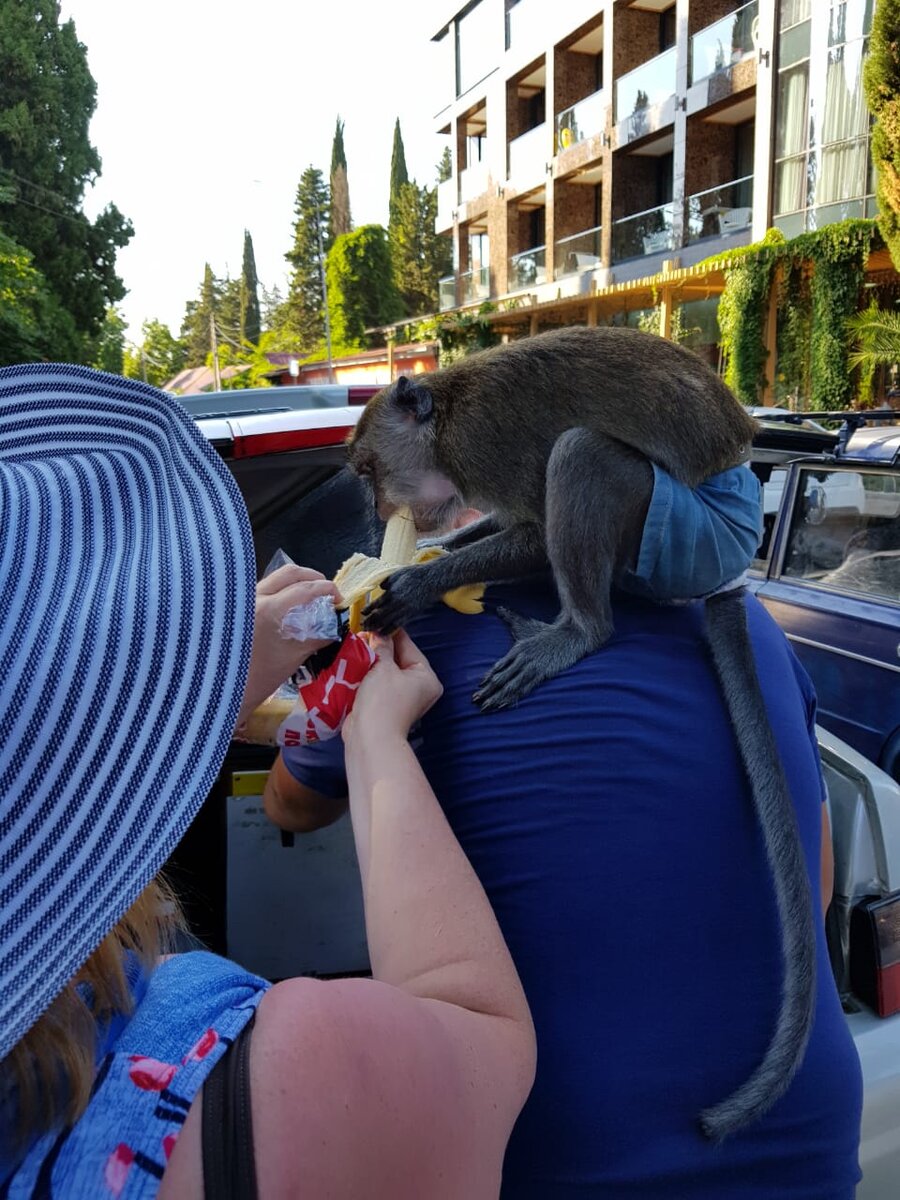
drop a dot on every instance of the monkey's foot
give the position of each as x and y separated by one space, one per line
532 660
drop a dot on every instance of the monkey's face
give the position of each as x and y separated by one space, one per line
393 450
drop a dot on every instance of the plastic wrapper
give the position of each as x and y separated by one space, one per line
311 706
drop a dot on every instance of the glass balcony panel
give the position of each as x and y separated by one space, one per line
447 292
578 252
476 285
720 211
723 43
528 268
648 232
528 154
583 120
473 181
646 85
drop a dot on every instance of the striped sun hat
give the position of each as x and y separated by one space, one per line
126 617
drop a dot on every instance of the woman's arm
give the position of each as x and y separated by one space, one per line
409 1086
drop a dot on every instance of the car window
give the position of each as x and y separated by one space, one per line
845 532
772 490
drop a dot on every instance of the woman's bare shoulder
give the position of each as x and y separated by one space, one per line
360 1089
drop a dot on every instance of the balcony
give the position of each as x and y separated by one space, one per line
724 43
720 211
473 181
643 233
528 269
446 203
578 252
447 292
648 84
475 285
528 157
585 119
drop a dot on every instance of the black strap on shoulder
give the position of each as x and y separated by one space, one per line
229 1168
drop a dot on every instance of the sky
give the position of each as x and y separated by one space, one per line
209 111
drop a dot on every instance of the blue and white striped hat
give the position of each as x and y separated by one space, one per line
126 618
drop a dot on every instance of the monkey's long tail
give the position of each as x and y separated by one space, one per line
729 642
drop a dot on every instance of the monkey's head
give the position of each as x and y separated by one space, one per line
393 448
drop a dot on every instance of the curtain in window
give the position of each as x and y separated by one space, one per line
843 172
794 11
845 114
791 140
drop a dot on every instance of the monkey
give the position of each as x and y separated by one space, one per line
553 437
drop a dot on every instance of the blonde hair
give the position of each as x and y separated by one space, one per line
52 1067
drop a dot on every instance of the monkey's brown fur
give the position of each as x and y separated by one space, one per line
551 437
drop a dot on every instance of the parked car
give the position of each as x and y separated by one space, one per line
245 882
828 570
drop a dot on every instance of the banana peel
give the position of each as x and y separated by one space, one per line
359 579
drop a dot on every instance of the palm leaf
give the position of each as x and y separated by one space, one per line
878 333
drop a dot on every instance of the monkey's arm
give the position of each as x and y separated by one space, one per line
507 554
473 532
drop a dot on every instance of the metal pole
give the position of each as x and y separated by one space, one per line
215 350
324 295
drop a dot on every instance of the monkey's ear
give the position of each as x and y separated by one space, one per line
413 399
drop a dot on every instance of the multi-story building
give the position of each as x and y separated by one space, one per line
602 148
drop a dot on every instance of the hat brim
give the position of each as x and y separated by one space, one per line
126 620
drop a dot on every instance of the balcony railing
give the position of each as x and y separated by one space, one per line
446 202
725 42
721 210
648 232
582 120
475 285
528 268
473 181
447 292
646 85
578 252
528 155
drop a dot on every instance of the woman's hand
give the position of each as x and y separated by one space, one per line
276 657
400 688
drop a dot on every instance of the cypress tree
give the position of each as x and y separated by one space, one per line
304 308
445 166
250 320
399 173
419 256
341 221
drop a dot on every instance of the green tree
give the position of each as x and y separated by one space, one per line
196 332
361 291
47 98
399 173
444 168
271 306
250 327
419 256
110 353
158 358
30 317
303 314
881 80
340 219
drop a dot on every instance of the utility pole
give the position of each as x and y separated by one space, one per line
143 365
324 295
215 350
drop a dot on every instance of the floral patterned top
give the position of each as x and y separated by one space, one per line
150 1067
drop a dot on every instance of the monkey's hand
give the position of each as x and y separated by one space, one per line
540 652
407 593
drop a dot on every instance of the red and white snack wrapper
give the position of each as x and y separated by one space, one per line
323 704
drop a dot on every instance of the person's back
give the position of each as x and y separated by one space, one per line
609 821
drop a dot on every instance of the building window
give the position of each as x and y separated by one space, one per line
822 161
667 29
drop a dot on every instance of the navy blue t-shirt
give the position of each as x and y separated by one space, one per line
609 821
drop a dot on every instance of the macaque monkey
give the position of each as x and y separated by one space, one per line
552 437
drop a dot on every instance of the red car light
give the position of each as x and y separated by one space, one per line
251 444
875 953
